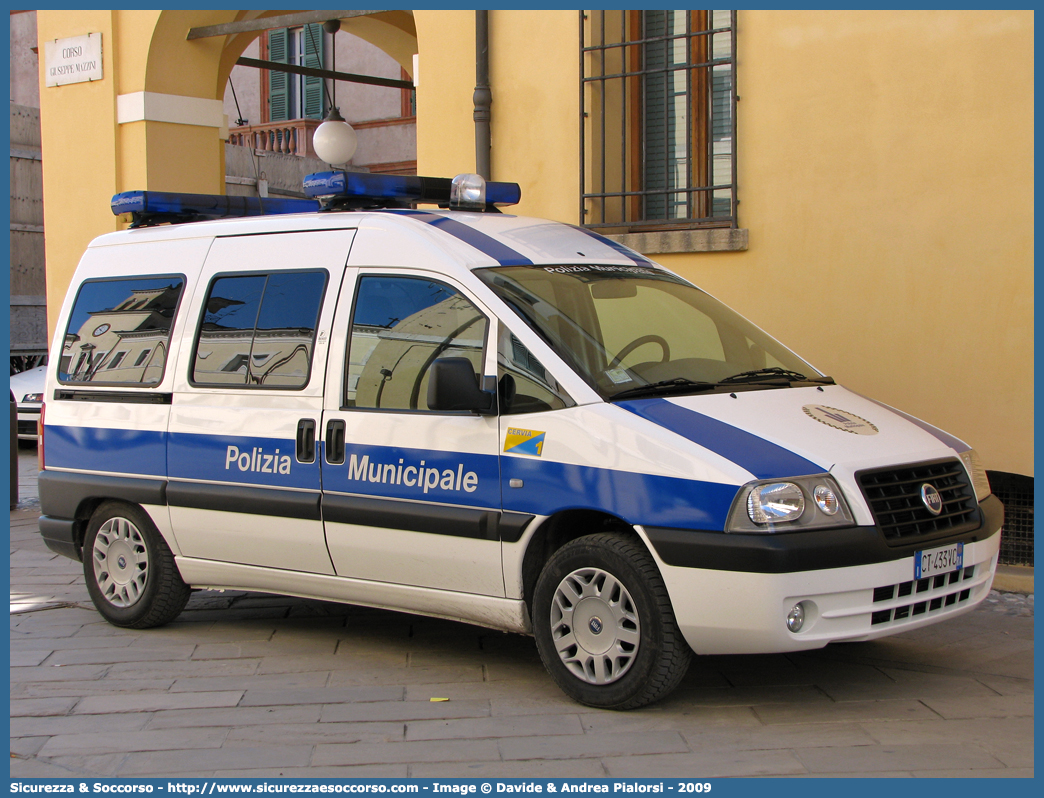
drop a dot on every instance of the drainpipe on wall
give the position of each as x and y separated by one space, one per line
483 97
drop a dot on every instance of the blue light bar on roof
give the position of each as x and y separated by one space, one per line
364 188
157 206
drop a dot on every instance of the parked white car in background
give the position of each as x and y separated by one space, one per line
28 387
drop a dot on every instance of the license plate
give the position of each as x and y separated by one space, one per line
938 561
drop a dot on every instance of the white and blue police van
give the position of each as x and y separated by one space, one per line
462 413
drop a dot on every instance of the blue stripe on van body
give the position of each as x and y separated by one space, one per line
119 451
940 435
452 484
549 487
763 459
240 459
644 499
627 252
487 245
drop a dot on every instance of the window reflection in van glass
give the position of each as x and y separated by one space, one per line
258 330
119 331
401 325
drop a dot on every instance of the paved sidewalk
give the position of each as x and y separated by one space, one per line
248 685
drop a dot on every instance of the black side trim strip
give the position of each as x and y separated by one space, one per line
123 397
512 525
801 551
245 499
62 493
60 536
431 518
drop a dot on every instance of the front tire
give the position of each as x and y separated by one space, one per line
129 569
604 625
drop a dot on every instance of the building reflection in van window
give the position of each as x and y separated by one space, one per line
259 330
119 331
401 325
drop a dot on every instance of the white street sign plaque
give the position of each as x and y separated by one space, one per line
77 59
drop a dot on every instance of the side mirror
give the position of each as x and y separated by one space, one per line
452 386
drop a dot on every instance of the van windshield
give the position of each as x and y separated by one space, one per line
634 331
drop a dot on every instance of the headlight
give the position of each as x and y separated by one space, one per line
795 504
977 473
775 502
33 397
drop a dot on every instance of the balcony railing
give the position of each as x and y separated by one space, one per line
293 137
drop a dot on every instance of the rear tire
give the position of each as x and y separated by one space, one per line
604 625
129 569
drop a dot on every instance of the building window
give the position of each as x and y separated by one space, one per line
115 360
296 96
658 119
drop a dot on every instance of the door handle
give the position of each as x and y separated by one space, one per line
335 441
306 440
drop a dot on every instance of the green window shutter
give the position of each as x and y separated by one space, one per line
662 90
721 137
278 82
313 58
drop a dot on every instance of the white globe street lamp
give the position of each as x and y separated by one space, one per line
335 141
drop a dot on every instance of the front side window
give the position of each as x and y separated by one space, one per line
658 122
400 326
625 328
525 386
119 331
258 330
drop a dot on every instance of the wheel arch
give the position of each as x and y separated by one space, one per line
561 528
71 498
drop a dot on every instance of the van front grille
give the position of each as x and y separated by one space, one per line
894 496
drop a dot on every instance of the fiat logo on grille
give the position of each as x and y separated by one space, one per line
931 498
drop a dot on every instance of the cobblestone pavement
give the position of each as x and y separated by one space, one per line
1009 603
247 684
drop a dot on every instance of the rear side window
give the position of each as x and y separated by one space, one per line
258 330
119 331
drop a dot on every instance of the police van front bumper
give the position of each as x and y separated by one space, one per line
732 593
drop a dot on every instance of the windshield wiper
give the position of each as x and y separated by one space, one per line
663 387
773 373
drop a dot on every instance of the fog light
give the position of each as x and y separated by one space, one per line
796 618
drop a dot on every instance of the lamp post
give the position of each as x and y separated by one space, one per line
334 141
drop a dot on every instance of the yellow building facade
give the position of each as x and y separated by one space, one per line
884 174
